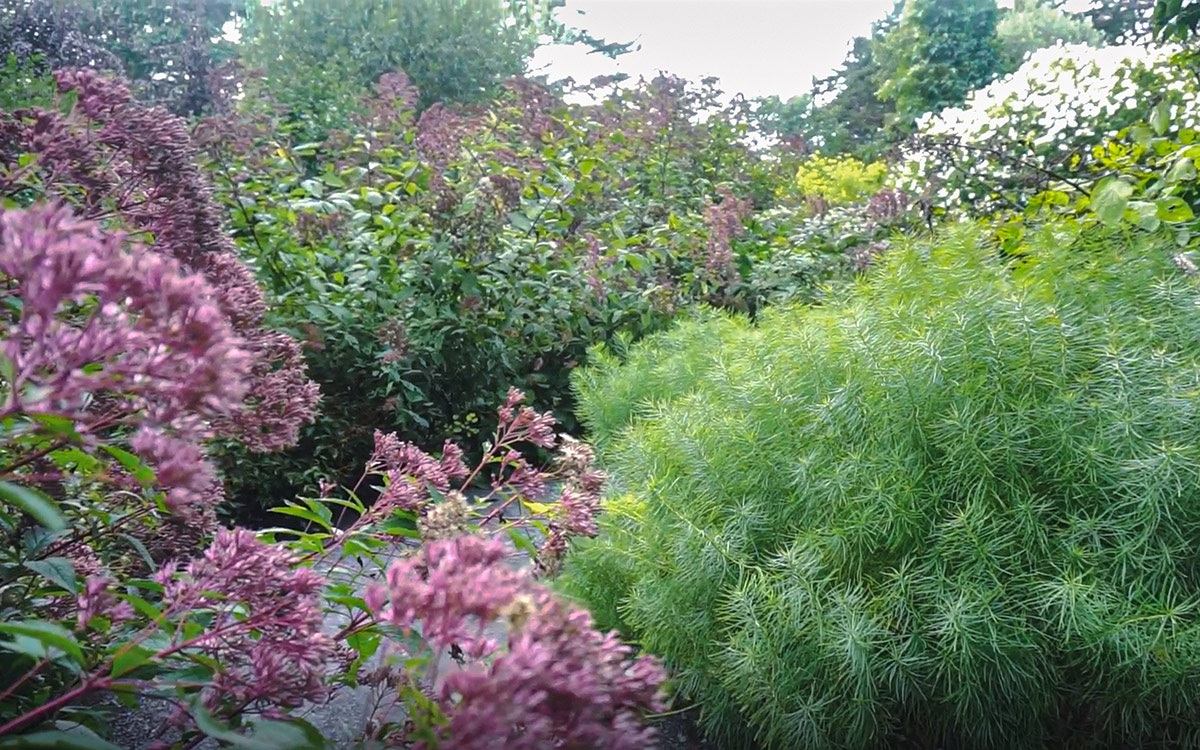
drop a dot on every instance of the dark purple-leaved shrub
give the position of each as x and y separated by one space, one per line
115 160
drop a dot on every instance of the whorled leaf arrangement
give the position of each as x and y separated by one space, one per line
958 506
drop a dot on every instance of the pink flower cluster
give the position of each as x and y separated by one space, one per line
101 315
724 221
887 206
113 156
524 423
266 625
411 471
579 502
557 683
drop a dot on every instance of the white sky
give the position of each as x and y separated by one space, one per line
756 47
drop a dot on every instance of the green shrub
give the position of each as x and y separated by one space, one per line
960 503
432 260
839 180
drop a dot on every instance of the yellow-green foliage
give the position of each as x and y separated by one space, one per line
959 503
839 180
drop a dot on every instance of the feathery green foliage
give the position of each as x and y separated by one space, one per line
959 503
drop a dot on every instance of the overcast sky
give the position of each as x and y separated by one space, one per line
756 47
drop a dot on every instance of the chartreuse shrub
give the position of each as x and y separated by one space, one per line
839 180
958 504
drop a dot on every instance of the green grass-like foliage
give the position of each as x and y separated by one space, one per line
960 504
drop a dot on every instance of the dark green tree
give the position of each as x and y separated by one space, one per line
169 50
1176 19
854 119
844 113
320 56
939 52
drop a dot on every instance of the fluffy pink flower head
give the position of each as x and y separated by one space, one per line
98 600
558 684
525 424
116 158
454 588
724 220
275 652
100 314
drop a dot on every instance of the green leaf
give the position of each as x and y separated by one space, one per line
131 659
1183 170
50 634
1050 198
8 372
1144 215
141 550
51 739
520 221
147 610
365 642
58 426
66 102
43 510
294 734
131 463
23 644
58 570
305 513
1160 117
1174 209
1110 198
522 542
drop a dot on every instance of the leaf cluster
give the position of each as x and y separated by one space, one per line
957 504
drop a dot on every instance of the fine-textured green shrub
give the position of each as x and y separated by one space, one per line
960 503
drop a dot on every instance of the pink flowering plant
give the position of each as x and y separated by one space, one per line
131 339
116 366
